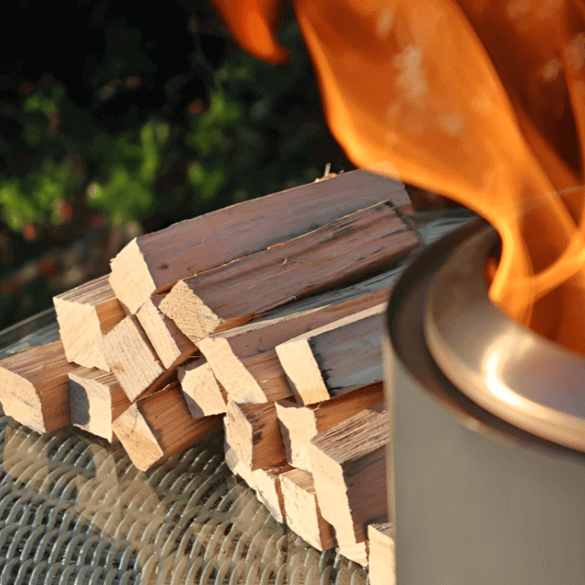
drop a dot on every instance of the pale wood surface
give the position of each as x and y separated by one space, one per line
154 262
382 557
85 314
171 346
203 393
252 431
131 357
299 424
349 471
34 387
302 511
232 294
96 399
267 484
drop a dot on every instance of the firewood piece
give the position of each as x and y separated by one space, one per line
85 314
266 482
230 295
265 368
203 393
252 431
349 470
96 399
382 556
160 426
305 315
335 358
299 424
171 346
154 262
302 511
131 357
34 387
236 466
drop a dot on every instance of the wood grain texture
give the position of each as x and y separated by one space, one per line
96 399
252 431
85 314
349 471
131 357
347 249
160 426
267 484
154 262
302 511
171 346
204 395
382 554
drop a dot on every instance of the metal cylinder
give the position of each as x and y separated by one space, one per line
475 499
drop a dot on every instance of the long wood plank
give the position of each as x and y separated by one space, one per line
154 262
34 387
347 249
85 314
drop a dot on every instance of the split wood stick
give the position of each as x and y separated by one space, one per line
266 482
299 424
302 511
335 358
347 249
266 370
349 470
305 315
96 399
236 466
252 431
85 314
34 387
131 357
160 426
203 393
171 346
382 556
154 262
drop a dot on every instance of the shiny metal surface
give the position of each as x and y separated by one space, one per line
509 370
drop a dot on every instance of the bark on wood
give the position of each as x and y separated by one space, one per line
267 484
34 387
302 511
299 424
349 470
154 262
252 431
160 426
171 346
335 358
203 393
382 556
96 399
131 357
230 295
85 314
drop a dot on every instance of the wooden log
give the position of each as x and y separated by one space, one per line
160 426
34 387
252 431
85 314
347 249
171 346
203 393
154 262
382 554
131 357
267 483
335 358
349 471
302 511
96 399
299 424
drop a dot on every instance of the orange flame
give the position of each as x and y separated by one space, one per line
480 100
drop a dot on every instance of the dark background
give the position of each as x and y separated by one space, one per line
119 118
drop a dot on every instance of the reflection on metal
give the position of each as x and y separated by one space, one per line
509 370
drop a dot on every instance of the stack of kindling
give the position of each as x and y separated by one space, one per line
264 317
